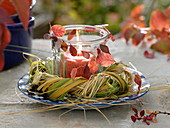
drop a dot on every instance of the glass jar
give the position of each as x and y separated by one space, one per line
86 40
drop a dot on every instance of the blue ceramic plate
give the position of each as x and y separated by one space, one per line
24 84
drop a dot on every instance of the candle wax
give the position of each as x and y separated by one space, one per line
78 62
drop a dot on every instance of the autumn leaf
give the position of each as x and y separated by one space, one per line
133 118
142 113
159 21
64 46
150 55
86 54
104 48
4 17
73 50
5 36
161 34
93 66
111 37
72 34
162 46
23 9
137 11
104 59
86 70
138 81
137 38
129 33
58 30
73 73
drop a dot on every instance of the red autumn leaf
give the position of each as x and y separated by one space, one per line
162 46
5 18
104 48
86 54
137 38
93 66
138 79
159 21
142 113
150 55
23 9
111 37
86 70
5 36
73 73
129 33
161 34
7 5
104 59
72 34
58 30
98 51
73 50
137 11
1 61
64 46
54 38
135 110
133 118
90 29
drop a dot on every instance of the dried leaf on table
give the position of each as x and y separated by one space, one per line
150 55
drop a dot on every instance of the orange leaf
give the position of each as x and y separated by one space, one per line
7 5
58 30
72 34
5 36
137 11
159 20
73 73
93 66
23 9
148 111
138 79
104 59
4 17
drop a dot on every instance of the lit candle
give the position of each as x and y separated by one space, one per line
78 62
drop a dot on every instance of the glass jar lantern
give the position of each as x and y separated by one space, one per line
83 38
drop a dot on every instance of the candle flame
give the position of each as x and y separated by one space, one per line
78 42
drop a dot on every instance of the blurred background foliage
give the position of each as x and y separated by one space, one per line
90 12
